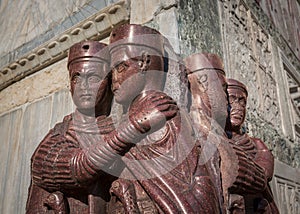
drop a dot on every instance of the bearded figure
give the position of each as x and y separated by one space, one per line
251 195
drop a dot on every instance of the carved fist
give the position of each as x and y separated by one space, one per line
150 112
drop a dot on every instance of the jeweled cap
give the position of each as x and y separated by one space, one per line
88 51
233 83
201 61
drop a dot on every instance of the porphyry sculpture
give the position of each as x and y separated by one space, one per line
208 110
165 168
151 160
256 197
65 178
74 166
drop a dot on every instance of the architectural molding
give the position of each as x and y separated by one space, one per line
96 27
286 186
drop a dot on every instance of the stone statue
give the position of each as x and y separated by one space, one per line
64 178
162 173
74 166
256 197
208 110
155 159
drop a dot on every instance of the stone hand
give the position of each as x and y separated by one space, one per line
150 112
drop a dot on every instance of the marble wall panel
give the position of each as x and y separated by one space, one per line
21 132
28 24
13 164
285 15
35 125
286 188
62 105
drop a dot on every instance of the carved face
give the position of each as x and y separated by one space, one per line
237 102
127 81
89 84
213 88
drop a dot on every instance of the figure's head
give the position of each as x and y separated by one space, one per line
89 77
237 93
207 78
136 61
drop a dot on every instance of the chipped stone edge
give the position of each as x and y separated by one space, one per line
96 27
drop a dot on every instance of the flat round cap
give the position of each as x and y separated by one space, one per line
88 50
200 61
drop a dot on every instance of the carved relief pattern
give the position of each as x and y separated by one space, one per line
294 91
240 63
249 59
289 195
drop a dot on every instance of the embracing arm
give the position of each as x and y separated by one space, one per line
58 163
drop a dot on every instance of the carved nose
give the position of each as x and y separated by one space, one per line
115 86
84 84
115 83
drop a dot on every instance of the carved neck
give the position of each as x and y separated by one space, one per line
84 118
236 131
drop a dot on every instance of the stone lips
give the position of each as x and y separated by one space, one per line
200 61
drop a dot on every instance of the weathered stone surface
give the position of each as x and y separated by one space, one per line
283 148
199 28
49 80
21 132
250 53
285 15
95 27
62 104
11 162
34 126
285 187
174 86
31 24
258 7
143 11
32 19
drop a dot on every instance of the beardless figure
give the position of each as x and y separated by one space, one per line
208 111
257 198
161 173
58 184
71 168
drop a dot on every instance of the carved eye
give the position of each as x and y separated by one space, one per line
232 99
76 78
94 79
242 102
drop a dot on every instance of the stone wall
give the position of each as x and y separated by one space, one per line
256 47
